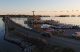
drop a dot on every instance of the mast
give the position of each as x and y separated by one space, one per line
33 13
36 24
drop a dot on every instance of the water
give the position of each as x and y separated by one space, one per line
21 21
9 47
65 20
4 45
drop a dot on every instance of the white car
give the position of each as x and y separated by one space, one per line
76 34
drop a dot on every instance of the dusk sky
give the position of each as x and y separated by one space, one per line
40 6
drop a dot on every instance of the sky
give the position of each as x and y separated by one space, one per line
53 7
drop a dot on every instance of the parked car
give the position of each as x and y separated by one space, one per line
76 35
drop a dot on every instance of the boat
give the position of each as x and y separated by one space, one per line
22 36
18 34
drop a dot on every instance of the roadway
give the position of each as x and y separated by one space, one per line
65 42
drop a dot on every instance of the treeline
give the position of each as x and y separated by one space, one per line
68 16
24 16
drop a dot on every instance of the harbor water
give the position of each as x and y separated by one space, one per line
65 20
9 47
4 45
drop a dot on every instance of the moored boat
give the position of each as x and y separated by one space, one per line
22 36
18 34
